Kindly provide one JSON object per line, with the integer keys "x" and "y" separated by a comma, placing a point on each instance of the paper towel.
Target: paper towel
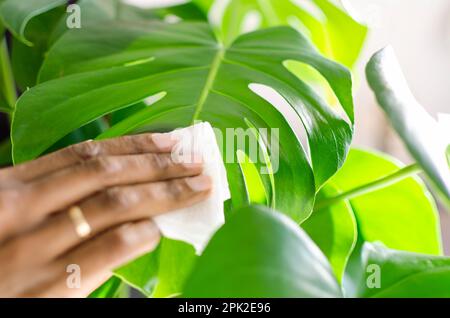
{"x": 196, "y": 224}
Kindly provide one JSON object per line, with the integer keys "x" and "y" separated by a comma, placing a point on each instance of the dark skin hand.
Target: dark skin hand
{"x": 119, "y": 185}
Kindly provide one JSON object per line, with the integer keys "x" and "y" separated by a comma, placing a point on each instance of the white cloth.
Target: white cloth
{"x": 197, "y": 224}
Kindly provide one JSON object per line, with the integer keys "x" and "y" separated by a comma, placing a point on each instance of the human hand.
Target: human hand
{"x": 91, "y": 205}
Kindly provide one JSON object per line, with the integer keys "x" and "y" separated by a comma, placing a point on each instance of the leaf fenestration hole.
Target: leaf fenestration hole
{"x": 139, "y": 61}
{"x": 251, "y": 22}
{"x": 319, "y": 84}
{"x": 279, "y": 102}
{"x": 154, "y": 98}
{"x": 311, "y": 8}
{"x": 217, "y": 11}
{"x": 171, "y": 18}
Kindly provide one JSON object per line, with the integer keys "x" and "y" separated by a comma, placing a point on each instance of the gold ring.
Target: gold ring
{"x": 82, "y": 227}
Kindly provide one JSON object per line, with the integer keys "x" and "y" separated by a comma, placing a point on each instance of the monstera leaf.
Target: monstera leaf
{"x": 327, "y": 25}
{"x": 420, "y": 132}
{"x": 285, "y": 263}
{"x": 94, "y": 71}
{"x": 38, "y": 24}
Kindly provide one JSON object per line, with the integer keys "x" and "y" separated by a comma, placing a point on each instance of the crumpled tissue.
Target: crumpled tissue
{"x": 197, "y": 224}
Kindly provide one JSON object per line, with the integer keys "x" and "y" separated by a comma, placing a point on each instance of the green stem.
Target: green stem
{"x": 209, "y": 83}
{"x": 371, "y": 186}
{"x": 9, "y": 87}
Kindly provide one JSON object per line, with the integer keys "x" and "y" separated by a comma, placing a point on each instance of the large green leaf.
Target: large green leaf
{"x": 327, "y": 30}
{"x": 402, "y": 274}
{"x": 49, "y": 21}
{"x": 45, "y": 28}
{"x": 403, "y": 216}
{"x": 419, "y": 131}
{"x": 261, "y": 253}
{"x": 105, "y": 68}
{"x": 16, "y": 14}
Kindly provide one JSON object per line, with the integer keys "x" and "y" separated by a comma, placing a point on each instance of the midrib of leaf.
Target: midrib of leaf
{"x": 209, "y": 82}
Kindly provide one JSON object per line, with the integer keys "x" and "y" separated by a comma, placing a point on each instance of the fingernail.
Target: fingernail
{"x": 200, "y": 183}
{"x": 164, "y": 141}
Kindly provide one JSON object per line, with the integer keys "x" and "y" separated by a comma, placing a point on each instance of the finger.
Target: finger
{"x": 63, "y": 188}
{"x": 126, "y": 145}
{"x": 111, "y": 208}
{"x": 97, "y": 258}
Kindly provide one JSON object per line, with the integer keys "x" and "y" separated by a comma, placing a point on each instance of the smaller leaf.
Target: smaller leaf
{"x": 419, "y": 131}
{"x": 26, "y": 61}
{"x": 261, "y": 253}
{"x": 402, "y": 274}
{"x": 16, "y": 14}
{"x": 338, "y": 25}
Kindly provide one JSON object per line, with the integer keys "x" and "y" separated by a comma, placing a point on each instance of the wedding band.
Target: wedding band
{"x": 82, "y": 227}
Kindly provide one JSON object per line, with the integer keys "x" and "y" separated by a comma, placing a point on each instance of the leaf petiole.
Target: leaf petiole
{"x": 373, "y": 186}
{"x": 7, "y": 79}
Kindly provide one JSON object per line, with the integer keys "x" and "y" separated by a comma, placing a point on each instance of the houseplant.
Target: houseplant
{"x": 318, "y": 226}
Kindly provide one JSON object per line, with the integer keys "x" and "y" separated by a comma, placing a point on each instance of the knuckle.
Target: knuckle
{"x": 18, "y": 252}
{"x": 160, "y": 162}
{"x": 121, "y": 197}
{"x": 10, "y": 201}
{"x": 104, "y": 165}
{"x": 176, "y": 189}
{"x": 120, "y": 238}
{"x": 134, "y": 143}
{"x": 8, "y": 211}
{"x": 85, "y": 150}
